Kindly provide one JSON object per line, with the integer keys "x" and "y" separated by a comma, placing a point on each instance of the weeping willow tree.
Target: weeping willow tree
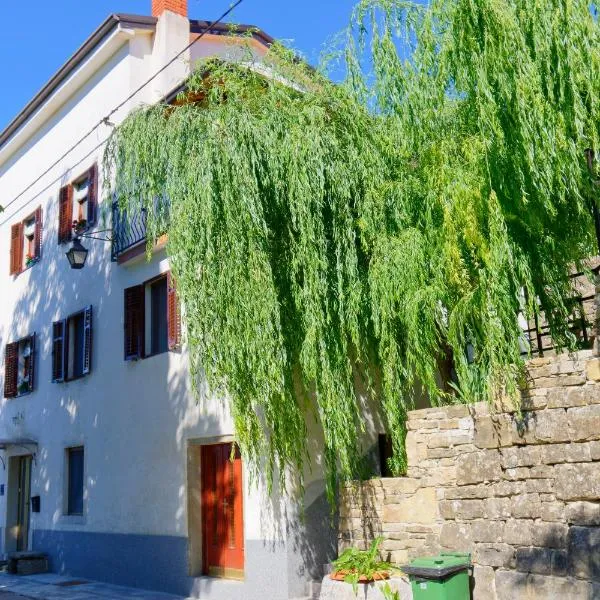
{"x": 320, "y": 233}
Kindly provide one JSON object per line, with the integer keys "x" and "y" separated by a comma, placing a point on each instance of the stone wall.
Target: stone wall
{"x": 520, "y": 492}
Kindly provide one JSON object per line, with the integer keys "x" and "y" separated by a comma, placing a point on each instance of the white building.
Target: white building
{"x": 108, "y": 462}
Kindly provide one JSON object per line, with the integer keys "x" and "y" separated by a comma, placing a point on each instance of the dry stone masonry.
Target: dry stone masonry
{"x": 521, "y": 492}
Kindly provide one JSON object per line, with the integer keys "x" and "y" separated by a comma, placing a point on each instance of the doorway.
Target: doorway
{"x": 19, "y": 503}
{"x": 222, "y": 511}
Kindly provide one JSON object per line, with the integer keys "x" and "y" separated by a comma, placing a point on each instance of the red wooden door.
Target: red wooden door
{"x": 222, "y": 512}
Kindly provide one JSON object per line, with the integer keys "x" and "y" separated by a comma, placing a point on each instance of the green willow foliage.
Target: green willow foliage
{"x": 326, "y": 239}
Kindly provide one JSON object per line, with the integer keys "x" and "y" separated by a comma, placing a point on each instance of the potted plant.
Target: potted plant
{"x": 79, "y": 225}
{"x": 361, "y": 566}
{"x": 30, "y": 259}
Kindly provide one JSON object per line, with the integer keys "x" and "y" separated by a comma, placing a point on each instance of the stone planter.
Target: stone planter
{"x": 339, "y": 590}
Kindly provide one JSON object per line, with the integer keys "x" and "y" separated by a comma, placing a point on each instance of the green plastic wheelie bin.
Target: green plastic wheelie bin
{"x": 442, "y": 577}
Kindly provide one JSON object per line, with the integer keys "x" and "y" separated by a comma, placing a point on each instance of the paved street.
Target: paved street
{"x": 49, "y": 586}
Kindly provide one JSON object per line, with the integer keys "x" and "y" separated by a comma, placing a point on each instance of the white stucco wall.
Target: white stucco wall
{"x": 134, "y": 419}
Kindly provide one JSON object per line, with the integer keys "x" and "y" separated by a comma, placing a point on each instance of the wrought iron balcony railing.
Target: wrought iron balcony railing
{"x": 128, "y": 230}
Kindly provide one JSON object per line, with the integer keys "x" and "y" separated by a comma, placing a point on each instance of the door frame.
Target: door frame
{"x": 194, "y": 502}
{"x": 18, "y": 503}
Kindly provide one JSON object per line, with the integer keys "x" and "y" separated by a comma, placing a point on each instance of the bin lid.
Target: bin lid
{"x": 438, "y": 567}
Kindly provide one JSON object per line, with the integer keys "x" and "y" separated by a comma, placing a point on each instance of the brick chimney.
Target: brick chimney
{"x": 177, "y": 6}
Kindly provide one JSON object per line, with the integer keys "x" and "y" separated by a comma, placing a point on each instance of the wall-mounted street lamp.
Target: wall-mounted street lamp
{"x": 77, "y": 253}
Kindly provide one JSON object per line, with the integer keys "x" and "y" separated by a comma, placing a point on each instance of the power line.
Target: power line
{"x": 106, "y": 119}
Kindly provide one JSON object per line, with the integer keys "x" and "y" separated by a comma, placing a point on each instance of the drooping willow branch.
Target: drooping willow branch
{"x": 334, "y": 241}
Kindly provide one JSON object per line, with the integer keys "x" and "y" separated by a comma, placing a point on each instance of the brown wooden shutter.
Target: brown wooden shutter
{"x": 32, "y": 362}
{"x": 134, "y": 309}
{"x": 65, "y": 214}
{"x": 58, "y": 351}
{"x": 11, "y": 368}
{"x": 37, "y": 239}
{"x": 173, "y": 314}
{"x": 92, "y": 202}
{"x": 16, "y": 249}
{"x": 87, "y": 340}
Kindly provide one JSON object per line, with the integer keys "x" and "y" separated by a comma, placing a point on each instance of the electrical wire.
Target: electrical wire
{"x": 106, "y": 120}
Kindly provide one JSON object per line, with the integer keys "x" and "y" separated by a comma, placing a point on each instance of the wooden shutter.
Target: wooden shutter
{"x": 11, "y": 367}
{"x": 65, "y": 214}
{"x": 134, "y": 309}
{"x": 16, "y": 249}
{"x": 37, "y": 239}
{"x": 173, "y": 314}
{"x": 87, "y": 340}
{"x": 92, "y": 202}
{"x": 31, "y": 362}
{"x": 59, "y": 350}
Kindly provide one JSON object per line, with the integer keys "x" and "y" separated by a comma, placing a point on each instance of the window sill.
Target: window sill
{"x": 73, "y": 519}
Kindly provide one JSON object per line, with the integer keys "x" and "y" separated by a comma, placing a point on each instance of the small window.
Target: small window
{"x": 77, "y": 205}
{"x": 19, "y": 367}
{"x": 26, "y": 243}
{"x": 72, "y": 346}
{"x": 75, "y": 481}
{"x": 152, "y": 318}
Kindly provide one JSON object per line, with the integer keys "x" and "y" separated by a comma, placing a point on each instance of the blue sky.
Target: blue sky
{"x": 38, "y": 36}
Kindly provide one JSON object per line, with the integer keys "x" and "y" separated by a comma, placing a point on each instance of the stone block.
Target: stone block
{"x": 592, "y": 369}
{"x": 466, "y": 492}
{"x": 534, "y": 399}
{"x": 498, "y": 508}
{"x": 494, "y": 431}
{"x": 560, "y": 381}
{"x": 552, "y": 511}
{"x": 508, "y": 488}
{"x": 550, "y": 535}
{"x": 421, "y": 507}
{"x": 477, "y": 467}
{"x": 564, "y": 453}
{"x": 551, "y": 426}
{"x": 462, "y": 509}
{"x": 449, "y": 439}
{"x": 456, "y": 536}
{"x": 570, "y": 397}
{"x": 584, "y": 552}
{"x": 485, "y": 530}
{"x": 526, "y": 506}
{"x": 579, "y": 481}
{"x": 544, "y": 587}
{"x": 494, "y": 555}
{"x": 534, "y": 560}
{"x": 511, "y": 585}
{"x": 584, "y": 423}
{"x": 583, "y": 513}
{"x": 519, "y": 532}
{"x": 400, "y": 485}
{"x": 484, "y": 586}
{"x": 543, "y": 486}
{"x": 520, "y": 456}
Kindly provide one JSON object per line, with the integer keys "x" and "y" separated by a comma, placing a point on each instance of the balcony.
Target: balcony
{"x": 129, "y": 231}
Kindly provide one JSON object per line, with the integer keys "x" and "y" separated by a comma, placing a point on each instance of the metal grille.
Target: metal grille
{"x": 128, "y": 230}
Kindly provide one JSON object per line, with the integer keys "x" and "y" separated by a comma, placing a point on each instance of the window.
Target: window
{"x": 384, "y": 444}
{"x": 152, "y": 318}
{"x": 26, "y": 243}
{"x": 77, "y": 205}
{"x": 19, "y": 367}
{"x": 75, "y": 481}
{"x": 72, "y": 346}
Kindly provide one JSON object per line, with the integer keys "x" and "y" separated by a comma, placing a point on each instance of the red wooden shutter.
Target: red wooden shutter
{"x": 16, "y": 249}
{"x": 65, "y": 214}
{"x": 134, "y": 309}
{"x": 58, "y": 351}
{"x": 11, "y": 367}
{"x": 92, "y": 202}
{"x": 173, "y": 314}
{"x": 37, "y": 238}
{"x": 87, "y": 340}
{"x": 31, "y": 361}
